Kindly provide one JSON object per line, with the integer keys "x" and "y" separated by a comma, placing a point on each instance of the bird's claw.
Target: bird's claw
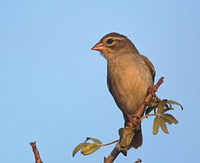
{"x": 152, "y": 91}
{"x": 133, "y": 121}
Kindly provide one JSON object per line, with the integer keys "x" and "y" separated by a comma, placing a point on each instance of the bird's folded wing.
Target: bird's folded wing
{"x": 151, "y": 67}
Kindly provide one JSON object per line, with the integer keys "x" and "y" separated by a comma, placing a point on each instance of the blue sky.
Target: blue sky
{"x": 53, "y": 87}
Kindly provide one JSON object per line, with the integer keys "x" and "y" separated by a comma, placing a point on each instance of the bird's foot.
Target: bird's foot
{"x": 152, "y": 91}
{"x": 133, "y": 121}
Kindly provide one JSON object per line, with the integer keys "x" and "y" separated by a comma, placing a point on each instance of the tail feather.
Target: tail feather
{"x": 137, "y": 140}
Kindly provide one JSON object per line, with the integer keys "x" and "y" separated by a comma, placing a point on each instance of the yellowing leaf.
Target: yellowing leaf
{"x": 169, "y": 117}
{"x": 97, "y": 141}
{"x": 129, "y": 137}
{"x": 89, "y": 149}
{"x": 167, "y": 120}
{"x": 161, "y": 106}
{"x": 154, "y": 103}
{"x": 156, "y": 125}
{"x": 78, "y": 148}
{"x": 175, "y": 103}
{"x": 163, "y": 125}
{"x": 122, "y": 142}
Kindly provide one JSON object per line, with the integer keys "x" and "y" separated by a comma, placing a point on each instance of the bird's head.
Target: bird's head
{"x": 113, "y": 44}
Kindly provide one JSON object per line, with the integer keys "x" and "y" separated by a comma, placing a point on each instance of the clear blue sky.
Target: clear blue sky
{"x": 53, "y": 87}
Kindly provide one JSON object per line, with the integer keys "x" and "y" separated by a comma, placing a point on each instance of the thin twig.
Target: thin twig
{"x": 109, "y": 143}
{"x": 36, "y": 152}
{"x": 115, "y": 152}
{"x": 147, "y": 115}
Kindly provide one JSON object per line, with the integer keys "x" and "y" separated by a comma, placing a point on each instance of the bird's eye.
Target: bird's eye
{"x": 109, "y": 41}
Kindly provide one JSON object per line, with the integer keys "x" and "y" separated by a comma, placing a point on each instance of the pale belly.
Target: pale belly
{"x": 128, "y": 85}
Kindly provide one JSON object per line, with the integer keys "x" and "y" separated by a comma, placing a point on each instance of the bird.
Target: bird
{"x": 129, "y": 76}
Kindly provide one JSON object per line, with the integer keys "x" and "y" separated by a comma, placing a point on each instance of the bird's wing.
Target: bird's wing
{"x": 151, "y": 67}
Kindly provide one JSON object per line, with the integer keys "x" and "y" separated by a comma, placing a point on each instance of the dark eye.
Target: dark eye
{"x": 109, "y": 41}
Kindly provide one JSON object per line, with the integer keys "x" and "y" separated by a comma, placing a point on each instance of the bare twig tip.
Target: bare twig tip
{"x": 138, "y": 160}
{"x": 36, "y": 152}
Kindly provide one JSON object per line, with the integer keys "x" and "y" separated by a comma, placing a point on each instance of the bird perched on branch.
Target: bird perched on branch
{"x": 129, "y": 75}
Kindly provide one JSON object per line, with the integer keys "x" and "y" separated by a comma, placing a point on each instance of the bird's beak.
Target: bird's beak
{"x": 99, "y": 46}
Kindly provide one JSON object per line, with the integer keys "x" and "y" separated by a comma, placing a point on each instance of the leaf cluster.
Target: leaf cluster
{"x": 87, "y": 148}
{"x": 162, "y": 117}
{"x": 160, "y": 107}
{"x": 125, "y": 141}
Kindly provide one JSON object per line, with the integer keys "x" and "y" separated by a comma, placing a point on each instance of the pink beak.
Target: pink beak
{"x": 99, "y": 46}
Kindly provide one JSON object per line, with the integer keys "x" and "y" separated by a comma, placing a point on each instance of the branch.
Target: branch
{"x": 148, "y": 99}
{"x": 115, "y": 152}
{"x": 36, "y": 152}
{"x": 113, "y": 155}
{"x": 146, "y": 116}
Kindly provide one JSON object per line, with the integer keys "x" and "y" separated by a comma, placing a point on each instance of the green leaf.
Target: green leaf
{"x": 121, "y": 132}
{"x": 153, "y": 103}
{"x": 167, "y": 120}
{"x": 78, "y": 148}
{"x": 165, "y": 110}
{"x": 175, "y": 103}
{"x": 89, "y": 149}
{"x": 161, "y": 106}
{"x": 156, "y": 125}
{"x": 129, "y": 137}
{"x": 97, "y": 141}
{"x": 122, "y": 142}
{"x": 163, "y": 125}
{"x": 170, "y": 118}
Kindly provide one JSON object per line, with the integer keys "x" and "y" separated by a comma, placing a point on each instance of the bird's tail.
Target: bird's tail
{"x": 137, "y": 139}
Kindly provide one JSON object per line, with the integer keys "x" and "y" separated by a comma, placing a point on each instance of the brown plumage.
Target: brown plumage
{"x": 129, "y": 75}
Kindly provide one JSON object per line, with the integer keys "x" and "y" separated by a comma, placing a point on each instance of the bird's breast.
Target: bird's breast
{"x": 128, "y": 81}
